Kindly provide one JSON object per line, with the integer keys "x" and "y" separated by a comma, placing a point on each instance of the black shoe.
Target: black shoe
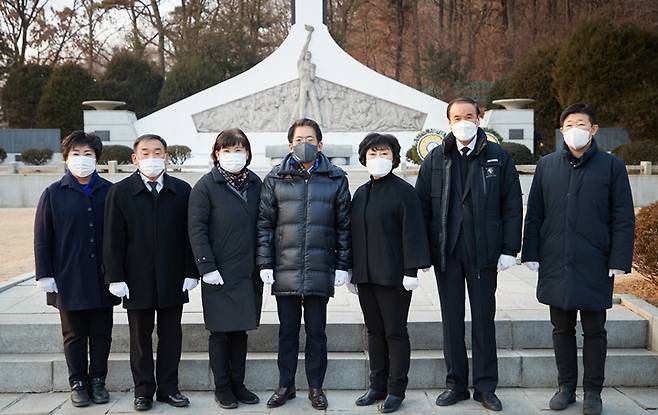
{"x": 80, "y": 394}
{"x": 451, "y": 397}
{"x": 592, "y": 404}
{"x": 280, "y": 396}
{"x": 489, "y": 400}
{"x": 391, "y": 404}
{"x": 99, "y": 393}
{"x": 318, "y": 398}
{"x": 562, "y": 399}
{"x": 370, "y": 397}
{"x": 225, "y": 397}
{"x": 177, "y": 399}
{"x": 142, "y": 403}
{"x": 244, "y": 395}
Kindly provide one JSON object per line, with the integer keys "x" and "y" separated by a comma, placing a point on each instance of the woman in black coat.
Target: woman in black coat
{"x": 223, "y": 211}
{"x": 389, "y": 245}
{"x": 68, "y": 235}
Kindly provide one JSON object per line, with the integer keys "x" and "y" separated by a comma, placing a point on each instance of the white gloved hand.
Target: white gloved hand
{"x": 189, "y": 284}
{"x": 506, "y": 262}
{"x": 267, "y": 275}
{"x": 410, "y": 283}
{"x": 532, "y": 266}
{"x": 47, "y": 284}
{"x": 427, "y": 269}
{"x": 352, "y": 288}
{"x": 119, "y": 289}
{"x": 213, "y": 278}
{"x": 612, "y": 272}
{"x": 341, "y": 277}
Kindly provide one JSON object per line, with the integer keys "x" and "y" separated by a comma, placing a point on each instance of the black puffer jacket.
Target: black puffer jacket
{"x": 304, "y": 227}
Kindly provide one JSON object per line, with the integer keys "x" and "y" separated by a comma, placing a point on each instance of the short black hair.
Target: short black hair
{"x": 465, "y": 100}
{"x": 230, "y": 138}
{"x": 579, "y": 108}
{"x": 80, "y": 138}
{"x": 380, "y": 142}
{"x": 148, "y": 137}
{"x": 304, "y": 122}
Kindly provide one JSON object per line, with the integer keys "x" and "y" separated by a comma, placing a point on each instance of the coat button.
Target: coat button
{"x": 91, "y": 240}
{"x": 91, "y": 224}
{"x": 93, "y": 255}
{"x": 88, "y": 209}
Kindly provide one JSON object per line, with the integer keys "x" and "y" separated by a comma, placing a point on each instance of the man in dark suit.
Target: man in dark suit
{"x": 471, "y": 198}
{"x": 148, "y": 261}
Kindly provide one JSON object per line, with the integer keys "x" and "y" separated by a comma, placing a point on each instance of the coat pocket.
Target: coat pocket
{"x": 494, "y": 240}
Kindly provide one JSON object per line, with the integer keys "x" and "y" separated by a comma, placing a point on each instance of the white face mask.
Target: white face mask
{"x": 379, "y": 167}
{"x": 576, "y": 138}
{"x": 232, "y": 162}
{"x": 464, "y": 130}
{"x": 151, "y": 167}
{"x": 81, "y": 166}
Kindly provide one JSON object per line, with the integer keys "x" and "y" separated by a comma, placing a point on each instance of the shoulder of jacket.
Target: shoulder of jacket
{"x": 179, "y": 182}
{"x": 335, "y": 171}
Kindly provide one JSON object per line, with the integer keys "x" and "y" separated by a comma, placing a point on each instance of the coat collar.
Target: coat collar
{"x": 580, "y": 162}
{"x": 137, "y": 184}
{"x": 219, "y": 177}
{"x": 70, "y": 181}
{"x": 450, "y": 142}
{"x": 324, "y": 167}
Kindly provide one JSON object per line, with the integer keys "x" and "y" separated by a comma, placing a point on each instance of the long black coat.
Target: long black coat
{"x": 389, "y": 238}
{"x": 222, "y": 227}
{"x": 146, "y": 243}
{"x": 497, "y": 208}
{"x": 579, "y": 224}
{"x": 304, "y": 228}
{"x": 68, "y": 244}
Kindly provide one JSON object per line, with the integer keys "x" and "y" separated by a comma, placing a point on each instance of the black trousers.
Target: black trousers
{"x": 595, "y": 346}
{"x": 82, "y": 328}
{"x": 170, "y": 335}
{"x": 482, "y": 296}
{"x": 315, "y": 320}
{"x": 228, "y": 355}
{"x": 385, "y": 311}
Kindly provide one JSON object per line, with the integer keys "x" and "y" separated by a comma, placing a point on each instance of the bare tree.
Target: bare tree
{"x": 16, "y": 19}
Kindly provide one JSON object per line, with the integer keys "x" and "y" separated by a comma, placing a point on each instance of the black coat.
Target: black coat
{"x": 222, "y": 228}
{"x": 146, "y": 243}
{"x": 495, "y": 194}
{"x": 68, "y": 244}
{"x": 389, "y": 238}
{"x": 304, "y": 228}
{"x": 579, "y": 224}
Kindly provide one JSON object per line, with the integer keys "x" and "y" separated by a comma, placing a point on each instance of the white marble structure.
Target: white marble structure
{"x": 515, "y": 123}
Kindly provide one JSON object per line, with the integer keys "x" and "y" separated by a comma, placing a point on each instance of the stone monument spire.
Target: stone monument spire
{"x": 311, "y": 12}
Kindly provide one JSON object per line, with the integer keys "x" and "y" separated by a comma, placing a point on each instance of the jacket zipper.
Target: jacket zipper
{"x": 305, "y": 232}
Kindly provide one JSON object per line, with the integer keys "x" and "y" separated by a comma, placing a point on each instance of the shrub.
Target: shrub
{"x": 37, "y": 157}
{"x": 179, "y": 154}
{"x": 21, "y": 94}
{"x": 635, "y": 152}
{"x": 520, "y": 154}
{"x": 413, "y": 157}
{"x": 3, "y": 155}
{"x": 645, "y": 254}
{"x": 120, "y": 154}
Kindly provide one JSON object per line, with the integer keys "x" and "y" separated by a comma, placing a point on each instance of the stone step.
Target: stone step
{"x": 42, "y": 333}
{"x": 346, "y": 370}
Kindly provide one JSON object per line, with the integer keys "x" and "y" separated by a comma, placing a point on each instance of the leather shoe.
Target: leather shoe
{"x": 318, "y": 398}
{"x": 391, "y": 404}
{"x": 177, "y": 399}
{"x": 99, "y": 393}
{"x": 142, "y": 403}
{"x": 451, "y": 397}
{"x": 592, "y": 404}
{"x": 280, "y": 396}
{"x": 244, "y": 395}
{"x": 80, "y": 394}
{"x": 489, "y": 400}
{"x": 225, "y": 397}
{"x": 370, "y": 397}
{"x": 562, "y": 398}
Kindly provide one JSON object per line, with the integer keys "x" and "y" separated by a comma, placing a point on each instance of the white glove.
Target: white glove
{"x": 119, "y": 289}
{"x": 47, "y": 284}
{"x": 410, "y": 283}
{"x": 532, "y": 266}
{"x": 267, "y": 275}
{"x": 611, "y": 273}
{"x": 506, "y": 262}
{"x": 213, "y": 278}
{"x": 352, "y": 288}
{"x": 427, "y": 269}
{"x": 341, "y": 277}
{"x": 189, "y": 284}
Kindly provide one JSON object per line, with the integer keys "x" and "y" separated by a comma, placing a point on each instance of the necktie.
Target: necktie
{"x": 464, "y": 151}
{"x": 154, "y": 188}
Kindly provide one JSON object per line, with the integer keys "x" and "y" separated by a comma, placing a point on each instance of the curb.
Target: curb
{"x": 4, "y": 286}
{"x": 648, "y": 312}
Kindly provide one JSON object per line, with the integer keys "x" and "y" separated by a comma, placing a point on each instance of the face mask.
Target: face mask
{"x": 379, "y": 167}
{"x": 576, "y": 138}
{"x": 305, "y": 152}
{"x": 81, "y": 166}
{"x": 232, "y": 162}
{"x": 464, "y": 131}
{"x": 151, "y": 167}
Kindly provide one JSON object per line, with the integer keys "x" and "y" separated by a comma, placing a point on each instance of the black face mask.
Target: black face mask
{"x": 305, "y": 152}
